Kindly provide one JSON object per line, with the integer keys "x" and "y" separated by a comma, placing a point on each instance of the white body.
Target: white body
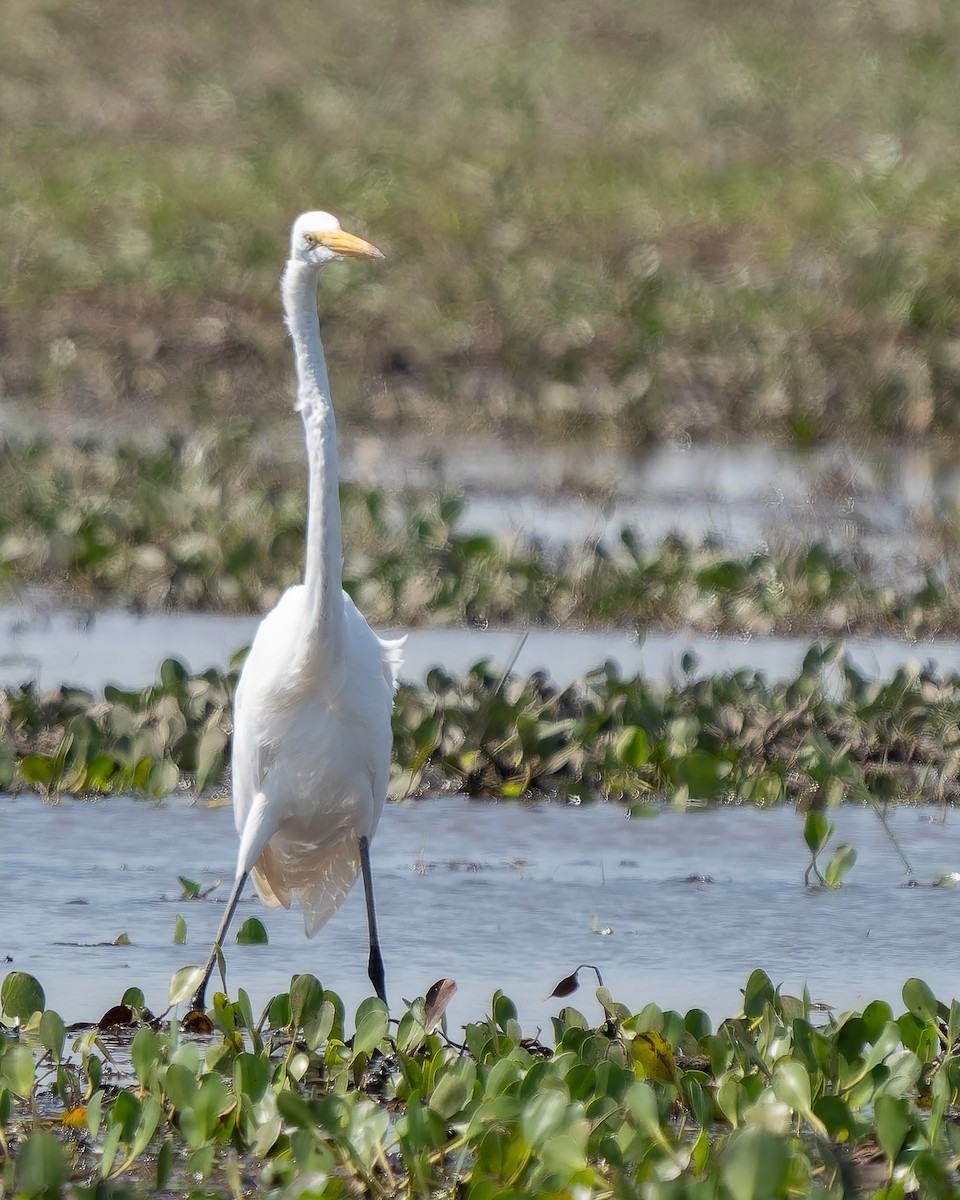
{"x": 311, "y": 759}
{"x": 312, "y": 735}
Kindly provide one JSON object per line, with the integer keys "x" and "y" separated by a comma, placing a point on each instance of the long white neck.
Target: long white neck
{"x": 323, "y": 568}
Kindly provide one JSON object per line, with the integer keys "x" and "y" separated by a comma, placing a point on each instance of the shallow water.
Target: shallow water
{"x": 744, "y": 496}
{"x": 493, "y": 895}
{"x": 48, "y": 647}
{"x": 502, "y": 895}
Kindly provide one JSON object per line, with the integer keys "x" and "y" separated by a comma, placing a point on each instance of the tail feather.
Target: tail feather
{"x": 320, "y": 879}
{"x": 269, "y": 882}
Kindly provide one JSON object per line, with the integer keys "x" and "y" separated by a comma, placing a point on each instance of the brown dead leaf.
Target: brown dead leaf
{"x": 120, "y": 1014}
{"x": 435, "y": 1003}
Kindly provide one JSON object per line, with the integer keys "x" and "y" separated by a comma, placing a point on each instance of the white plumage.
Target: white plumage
{"x": 311, "y": 762}
{"x": 312, "y": 736}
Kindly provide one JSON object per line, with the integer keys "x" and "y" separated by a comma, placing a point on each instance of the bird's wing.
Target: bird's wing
{"x": 263, "y": 677}
{"x": 391, "y": 659}
{"x": 260, "y": 826}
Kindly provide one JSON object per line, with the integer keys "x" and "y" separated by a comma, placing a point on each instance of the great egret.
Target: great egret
{"x": 311, "y": 718}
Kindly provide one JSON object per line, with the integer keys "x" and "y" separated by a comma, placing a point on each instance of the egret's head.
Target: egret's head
{"x": 316, "y": 239}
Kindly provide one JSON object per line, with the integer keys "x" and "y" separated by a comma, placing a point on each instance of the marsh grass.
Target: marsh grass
{"x": 630, "y": 221}
{"x": 780, "y": 1100}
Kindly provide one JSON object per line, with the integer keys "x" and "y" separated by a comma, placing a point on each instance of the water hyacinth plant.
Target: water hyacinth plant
{"x": 827, "y": 735}
{"x": 178, "y": 526}
{"x": 781, "y": 1100}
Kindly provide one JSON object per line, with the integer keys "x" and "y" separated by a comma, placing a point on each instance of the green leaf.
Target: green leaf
{"x": 699, "y": 1099}
{"x": 17, "y": 1068}
{"x": 210, "y": 1101}
{"x": 455, "y": 1089}
{"x": 545, "y": 1115}
{"x": 251, "y": 1074}
{"x": 757, "y": 994}
{"x": 756, "y": 1164}
{"x": 144, "y": 1054}
{"x": 173, "y": 674}
{"x": 53, "y": 1034}
{"x": 252, "y": 933}
{"x": 373, "y": 1021}
{"x": 892, "y": 1116}
{"x": 179, "y": 930}
{"x": 146, "y": 1127}
{"x": 704, "y": 774}
{"x": 210, "y": 757}
{"x": 180, "y": 1084}
{"x": 42, "y": 1166}
{"x": 162, "y": 778}
{"x": 920, "y": 1000}
{"x": 21, "y": 996}
{"x": 294, "y": 1109}
{"x": 100, "y": 769}
{"x": 504, "y": 1010}
{"x": 565, "y": 1152}
{"x": 125, "y": 1112}
{"x": 903, "y": 1071}
{"x": 816, "y": 831}
{"x": 94, "y": 1109}
{"x": 37, "y": 769}
{"x": 877, "y": 1016}
{"x": 842, "y": 859}
{"x": 422, "y": 1129}
{"x": 641, "y": 1101}
{"x": 164, "y": 1166}
{"x": 791, "y": 1084}
{"x": 109, "y": 1147}
{"x": 632, "y": 748}
{"x": 279, "y": 1014}
{"x": 836, "y": 1117}
{"x": 306, "y": 997}
{"x": 319, "y": 1027}
{"x": 184, "y": 983}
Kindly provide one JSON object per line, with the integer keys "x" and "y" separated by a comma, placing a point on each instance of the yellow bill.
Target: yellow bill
{"x": 347, "y": 245}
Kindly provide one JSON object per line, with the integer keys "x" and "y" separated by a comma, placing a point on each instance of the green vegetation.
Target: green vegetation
{"x": 779, "y": 1101}
{"x": 627, "y": 222}
{"x": 826, "y": 736}
{"x": 631, "y": 219}
{"x": 215, "y": 520}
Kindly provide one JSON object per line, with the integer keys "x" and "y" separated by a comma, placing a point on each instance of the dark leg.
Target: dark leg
{"x": 198, "y": 996}
{"x": 375, "y": 962}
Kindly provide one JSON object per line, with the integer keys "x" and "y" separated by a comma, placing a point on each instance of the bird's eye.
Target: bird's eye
{"x": 311, "y": 239}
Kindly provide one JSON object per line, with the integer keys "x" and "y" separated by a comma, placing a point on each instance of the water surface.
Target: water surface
{"x": 47, "y": 646}
{"x": 677, "y": 909}
{"x": 891, "y": 503}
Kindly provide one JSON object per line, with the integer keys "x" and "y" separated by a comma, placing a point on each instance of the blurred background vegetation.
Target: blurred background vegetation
{"x": 627, "y": 220}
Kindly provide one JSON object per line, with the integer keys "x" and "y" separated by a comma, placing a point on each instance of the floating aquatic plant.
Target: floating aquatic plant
{"x": 827, "y": 735}
{"x": 784, "y": 1098}
{"x": 181, "y": 527}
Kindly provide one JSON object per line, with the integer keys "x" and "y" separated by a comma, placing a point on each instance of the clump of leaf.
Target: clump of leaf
{"x": 180, "y": 526}
{"x": 825, "y": 736}
{"x": 778, "y": 1100}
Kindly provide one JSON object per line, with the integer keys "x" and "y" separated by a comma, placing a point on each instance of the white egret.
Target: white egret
{"x": 311, "y": 719}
